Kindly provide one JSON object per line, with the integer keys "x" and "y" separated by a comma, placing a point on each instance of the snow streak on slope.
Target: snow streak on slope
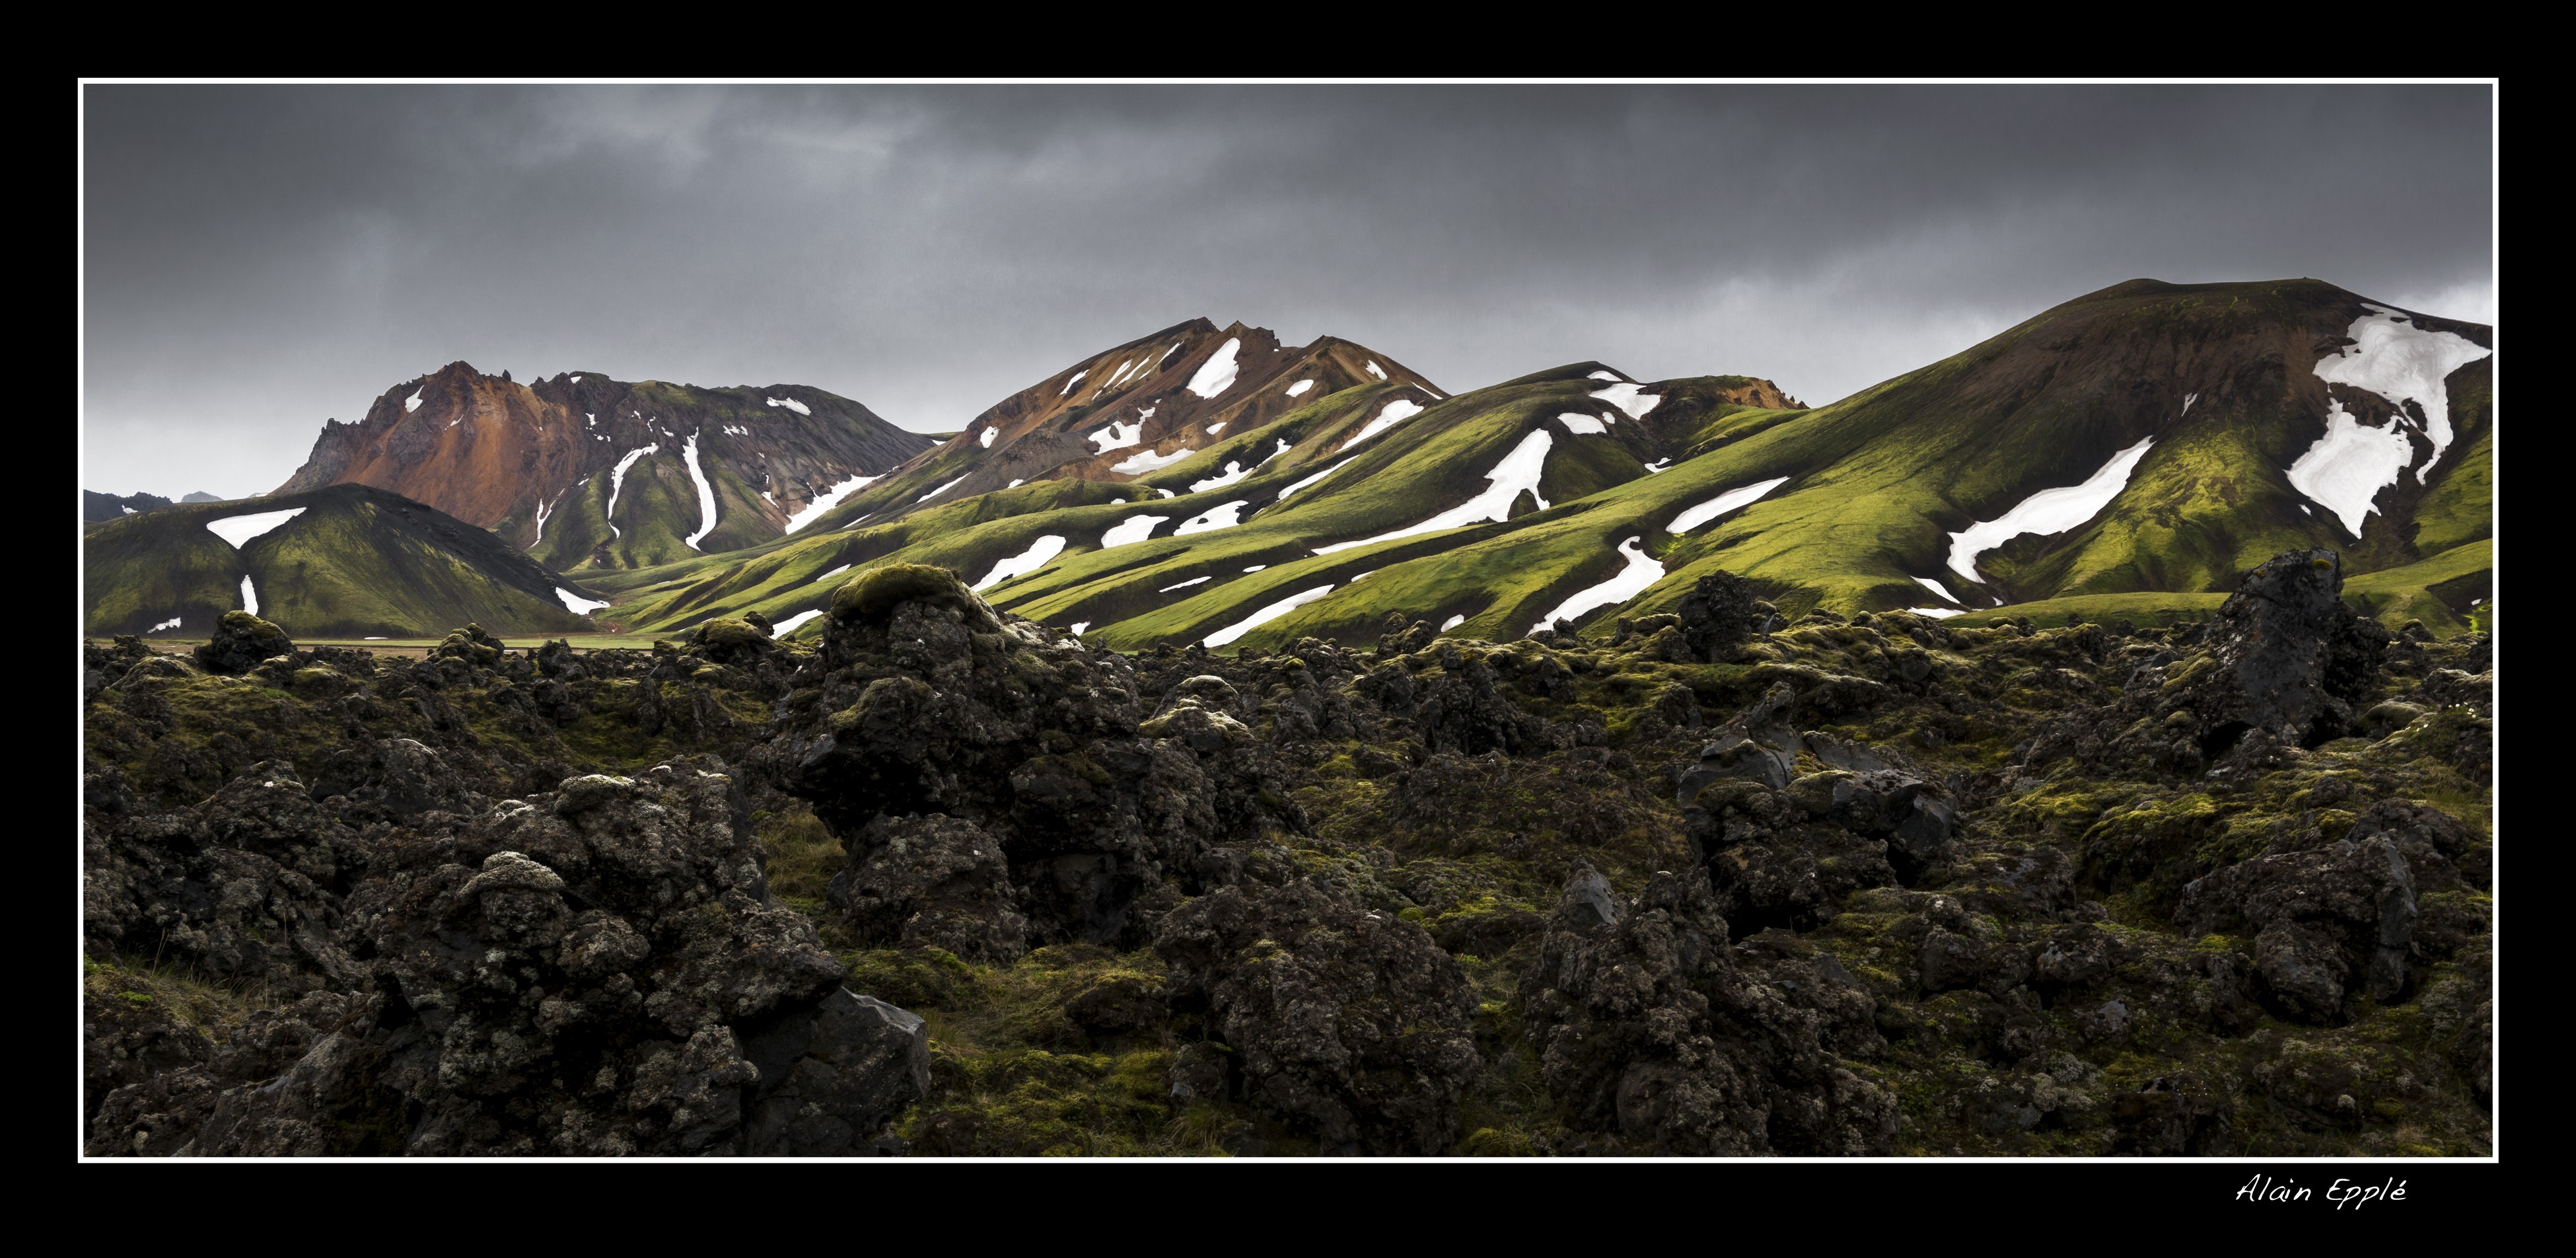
{"x": 1283, "y": 494}
{"x": 1077, "y": 379}
{"x": 1582, "y": 425}
{"x": 790, "y": 404}
{"x": 1395, "y": 412}
{"x": 1023, "y": 563}
{"x": 829, "y": 575}
{"x": 1453, "y": 622}
{"x": 1721, "y": 504}
{"x": 1631, "y": 398}
{"x": 831, "y": 498}
{"x": 2345, "y": 470}
{"x": 2048, "y": 511}
{"x": 171, "y": 623}
{"x": 1643, "y": 570}
{"x": 1300, "y": 387}
{"x": 1118, "y": 436}
{"x": 2403, "y": 363}
{"x": 1937, "y": 588}
{"x": 789, "y": 625}
{"x": 1147, "y": 461}
{"x": 990, "y": 432}
{"x": 1134, "y": 528}
{"x": 706, "y": 493}
{"x": 1267, "y": 614}
{"x": 1937, "y": 613}
{"x": 1516, "y": 474}
{"x": 617, "y": 482}
{"x": 1216, "y": 375}
{"x": 239, "y": 529}
{"x": 576, "y": 604}
{"x": 250, "y": 597}
{"x": 1219, "y": 517}
{"x": 543, "y": 509}
{"x": 941, "y": 490}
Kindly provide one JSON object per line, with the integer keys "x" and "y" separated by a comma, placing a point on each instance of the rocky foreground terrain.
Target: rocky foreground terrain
{"x": 950, "y": 883}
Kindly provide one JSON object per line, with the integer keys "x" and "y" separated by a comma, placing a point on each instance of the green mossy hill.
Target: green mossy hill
{"x": 1866, "y": 494}
{"x": 354, "y": 562}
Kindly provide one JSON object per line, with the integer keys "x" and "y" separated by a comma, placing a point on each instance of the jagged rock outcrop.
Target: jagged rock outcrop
{"x": 1345, "y": 1021}
{"x": 241, "y": 642}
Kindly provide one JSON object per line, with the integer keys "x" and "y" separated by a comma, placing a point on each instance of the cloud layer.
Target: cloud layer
{"x": 260, "y": 258}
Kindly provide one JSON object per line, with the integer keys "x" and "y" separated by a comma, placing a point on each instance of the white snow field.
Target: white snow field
{"x": 831, "y": 498}
{"x": 1643, "y": 570}
{"x": 1938, "y": 588}
{"x": 2403, "y": 363}
{"x": 239, "y": 529}
{"x": 1300, "y": 387}
{"x": 2048, "y": 511}
{"x": 1375, "y": 370}
{"x": 412, "y": 403}
{"x": 576, "y": 604}
{"x": 1216, "y": 375}
{"x": 1077, "y": 379}
{"x": 617, "y": 483}
{"x": 1234, "y": 471}
{"x": 706, "y": 493}
{"x": 1134, "y": 528}
{"x": 1283, "y": 494}
{"x": 250, "y": 597}
{"x": 1388, "y": 416}
{"x": 1144, "y": 461}
{"x": 1023, "y": 563}
{"x": 1217, "y": 517}
{"x": 789, "y": 625}
{"x": 790, "y": 403}
{"x": 1267, "y": 614}
{"x": 990, "y": 432}
{"x": 1721, "y": 504}
{"x": 1937, "y": 613}
{"x": 1519, "y": 471}
{"x": 1631, "y": 398}
{"x": 1184, "y": 585}
{"x": 1582, "y": 425}
{"x": 1118, "y": 436}
{"x": 2345, "y": 470}
{"x": 1453, "y": 622}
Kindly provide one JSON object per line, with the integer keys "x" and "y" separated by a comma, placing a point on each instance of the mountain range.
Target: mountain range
{"x": 2125, "y": 455}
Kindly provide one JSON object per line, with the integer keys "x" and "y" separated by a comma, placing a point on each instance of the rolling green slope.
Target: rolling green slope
{"x": 354, "y": 562}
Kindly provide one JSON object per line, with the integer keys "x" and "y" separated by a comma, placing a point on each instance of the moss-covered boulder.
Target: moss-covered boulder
{"x": 240, "y": 643}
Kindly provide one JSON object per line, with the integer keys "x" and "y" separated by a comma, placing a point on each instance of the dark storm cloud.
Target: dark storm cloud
{"x": 262, "y": 257}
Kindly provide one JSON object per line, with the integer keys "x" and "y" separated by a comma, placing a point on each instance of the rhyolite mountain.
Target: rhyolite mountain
{"x": 582, "y": 471}
{"x": 2128, "y": 454}
{"x": 347, "y": 561}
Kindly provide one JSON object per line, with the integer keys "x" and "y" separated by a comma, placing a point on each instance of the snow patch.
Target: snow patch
{"x": 2403, "y": 363}
{"x": 790, "y": 403}
{"x": 1147, "y": 461}
{"x": 1518, "y": 473}
{"x": 1023, "y": 563}
{"x": 1395, "y": 412}
{"x": 1375, "y": 370}
{"x": 576, "y": 604}
{"x": 1117, "y": 436}
{"x": 173, "y": 623}
{"x": 1283, "y": 494}
{"x": 1079, "y": 626}
{"x": 1077, "y": 379}
{"x": 129, "y": 510}
{"x": 1015, "y": 484}
{"x": 1937, "y": 588}
{"x": 1257, "y": 619}
{"x": 1217, "y": 517}
{"x": 1218, "y": 427}
{"x": 576, "y": 380}
{"x": 1256, "y": 567}
{"x": 1134, "y": 528}
{"x": 1234, "y": 471}
{"x": 239, "y": 529}
{"x": 990, "y": 432}
{"x": 706, "y": 493}
{"x": 1185, "y": 584}
{"x": 1453, "y": 622}
{"x": 1582, "y": 425}
{"x": 1631, "y": 398}
{"x": 250, "y": 597}
{"x": 412, "y": 403}
{"x": 1659, "y": 465}
{"x": 1937, "y": 613}
{"x": 1300, "y": 387}
{"x": 790, "y": 625}
{"x": 829, "y": 575}
{"x": 1611, "y": 376}
{"x": 942, "y": 489}
{"x": 1216, "y": 375}
{"x": 2345, "y": 470}
{"x": 2187, "y": 400}
{"x": 2048, "y": 511}
{"x": 1643, "y": 570}
{"x": 617, "y": 482}
{"x": 543, "y": 508}
{"x": 1721, "y": 504}
{"x": 831, "y": 498}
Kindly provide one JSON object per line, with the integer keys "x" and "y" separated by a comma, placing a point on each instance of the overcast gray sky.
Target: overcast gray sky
{"x": 261, "y": 258}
